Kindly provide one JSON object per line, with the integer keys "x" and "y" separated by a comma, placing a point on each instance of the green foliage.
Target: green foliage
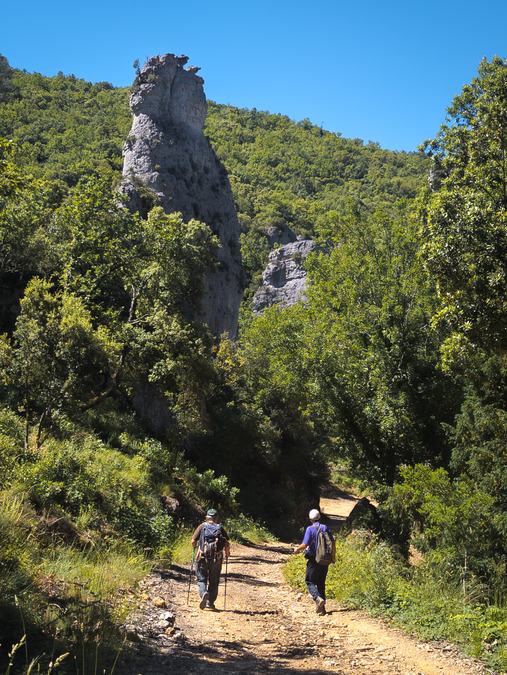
{"x": 467, "y": 212}
{"x": 97, "y": 487}
{"x": 465, "y": 221}
{"x": 65, "y": 127}
{"x": 7, "y": 90}
{"x": 26, "y": 204}
{"x": 98, "y": 573}
{"x": 370, "y": 305}
{"x": 86, "y": 588}
{"x": 246, "y": 530}
{"x": 54, "y": 356}
{"x": 16, "y": 525}
{"x": 181, "y": 550}
{"x": 454, "y": 523}
{"x": 254, "y": 253}
{"x": 358, "y": 362}
{"x": 480, "y": 442}
{"x": 11, "y": 444}
{"x": 291, "y": 173}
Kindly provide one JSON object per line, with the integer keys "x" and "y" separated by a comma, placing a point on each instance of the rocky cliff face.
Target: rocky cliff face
{"x": 169, "y": 161}
{"x": 284, "y": 279}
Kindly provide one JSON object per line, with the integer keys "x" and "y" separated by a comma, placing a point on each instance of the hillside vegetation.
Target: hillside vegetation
{"x": 394, "y": 368}
{"x": 282, "y": 172}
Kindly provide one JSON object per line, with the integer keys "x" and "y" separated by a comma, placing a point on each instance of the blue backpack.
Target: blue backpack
{"x": 211, "y": 541}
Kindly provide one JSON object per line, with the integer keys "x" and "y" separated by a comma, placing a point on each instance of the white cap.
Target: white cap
{"x": 314, "y": 515}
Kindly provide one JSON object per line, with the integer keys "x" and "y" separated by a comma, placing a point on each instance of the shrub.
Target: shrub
{"x": 97, "y": 486}
{"x": 242, "y": 528}
{"x": 11, "y": 444}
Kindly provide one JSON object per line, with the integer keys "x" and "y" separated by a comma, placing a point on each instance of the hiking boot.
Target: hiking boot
{"x": 204, "y": 601}
{"x": 320, "y": 606}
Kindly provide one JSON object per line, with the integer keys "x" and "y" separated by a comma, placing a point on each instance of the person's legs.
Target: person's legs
{"x": 310, "y": 578}
{"x": 202, "y": 576}
{"x": 215, "y": 568}
{"x": 321, "y": 580}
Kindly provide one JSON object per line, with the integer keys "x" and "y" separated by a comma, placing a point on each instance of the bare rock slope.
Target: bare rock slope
{"x": 169, "y": 161}
{"x": 284, "y": 279}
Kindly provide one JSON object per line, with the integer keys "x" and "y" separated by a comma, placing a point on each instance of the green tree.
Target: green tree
{"x": 55, "y": 358}
{"x": 374, "y": 352}
{"x": 7, "y": 89}
{"x": 466, "y": 252}
{"x": 142, "y": 279}
{"x": 455, "y": 523}
{"x": 26, "y": 206}
{"x": 466, "y": 220}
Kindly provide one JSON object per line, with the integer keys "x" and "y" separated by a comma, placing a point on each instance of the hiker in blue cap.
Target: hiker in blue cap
{"x": 213, "y": 543}
{"x": 319, "y": 547}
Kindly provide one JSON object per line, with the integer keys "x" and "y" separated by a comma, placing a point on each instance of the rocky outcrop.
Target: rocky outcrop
{"x": 169, "y": 161}
{"x": 284, "y": 279}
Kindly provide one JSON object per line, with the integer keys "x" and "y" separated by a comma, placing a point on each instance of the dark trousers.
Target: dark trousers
{"x": 208, "y": 577}
{"x": 316, "y": 578}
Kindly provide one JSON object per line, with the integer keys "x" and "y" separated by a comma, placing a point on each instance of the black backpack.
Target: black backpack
{"x": 211, "y": 541}
{"x": 324, "y": 552}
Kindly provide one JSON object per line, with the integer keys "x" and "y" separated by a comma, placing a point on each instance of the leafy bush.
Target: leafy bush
{"x": 244, "y": 529}
{"x": 97, "y": 486}
{"x": 454, "y": 522}
{"x": 11, "y": 444}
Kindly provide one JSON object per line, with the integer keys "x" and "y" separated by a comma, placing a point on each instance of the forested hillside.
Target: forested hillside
{"x": 391, "y": 374}
{"x": 282, "y": 173}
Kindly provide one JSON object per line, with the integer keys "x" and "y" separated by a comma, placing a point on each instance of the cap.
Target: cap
{"x": 314, "y": 515}
{"x": 211, "y": 513}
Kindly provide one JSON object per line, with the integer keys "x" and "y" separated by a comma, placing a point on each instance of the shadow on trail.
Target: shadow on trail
{"x": 333, "y": 492}
{"x": 175, "y": 572}
{"x": 273, "y": 549}
{"x": 249, "y": 579}
{"x": 221, "y": 656}
{"x": 251, "y": 612}
{"x": 252, "y": 561}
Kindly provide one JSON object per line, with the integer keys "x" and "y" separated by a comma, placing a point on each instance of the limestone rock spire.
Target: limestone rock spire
{"x": 169, "y": 161}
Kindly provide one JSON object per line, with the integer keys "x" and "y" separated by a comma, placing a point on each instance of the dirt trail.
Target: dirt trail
{"x": 268, "y": 628}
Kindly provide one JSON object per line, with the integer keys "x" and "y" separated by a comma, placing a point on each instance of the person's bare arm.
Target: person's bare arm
{"x": 299, "y": 548}
{"x": 195, "y": 536}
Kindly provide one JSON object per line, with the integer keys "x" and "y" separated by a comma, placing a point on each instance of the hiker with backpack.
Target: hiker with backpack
{"x": 212, "y": 542}
{"x": 320, "y": 551}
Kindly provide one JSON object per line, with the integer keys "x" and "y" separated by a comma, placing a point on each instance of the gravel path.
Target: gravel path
{"x": 268, "y": 628}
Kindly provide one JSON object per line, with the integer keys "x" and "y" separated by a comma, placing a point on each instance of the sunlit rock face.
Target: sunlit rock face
{"x": 169, "y": 161}
{"x": 284, "y": 279}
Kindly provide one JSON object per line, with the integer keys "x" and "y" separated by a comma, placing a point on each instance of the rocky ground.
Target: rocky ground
{"x": 266, "y": 627}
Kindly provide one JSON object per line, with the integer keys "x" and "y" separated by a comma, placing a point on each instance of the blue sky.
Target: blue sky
{"x": 378, "y": 70}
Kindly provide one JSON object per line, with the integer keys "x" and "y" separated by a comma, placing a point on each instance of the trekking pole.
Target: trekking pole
{"x": 190, "y": 575}
{"x": 225, "y": 584}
